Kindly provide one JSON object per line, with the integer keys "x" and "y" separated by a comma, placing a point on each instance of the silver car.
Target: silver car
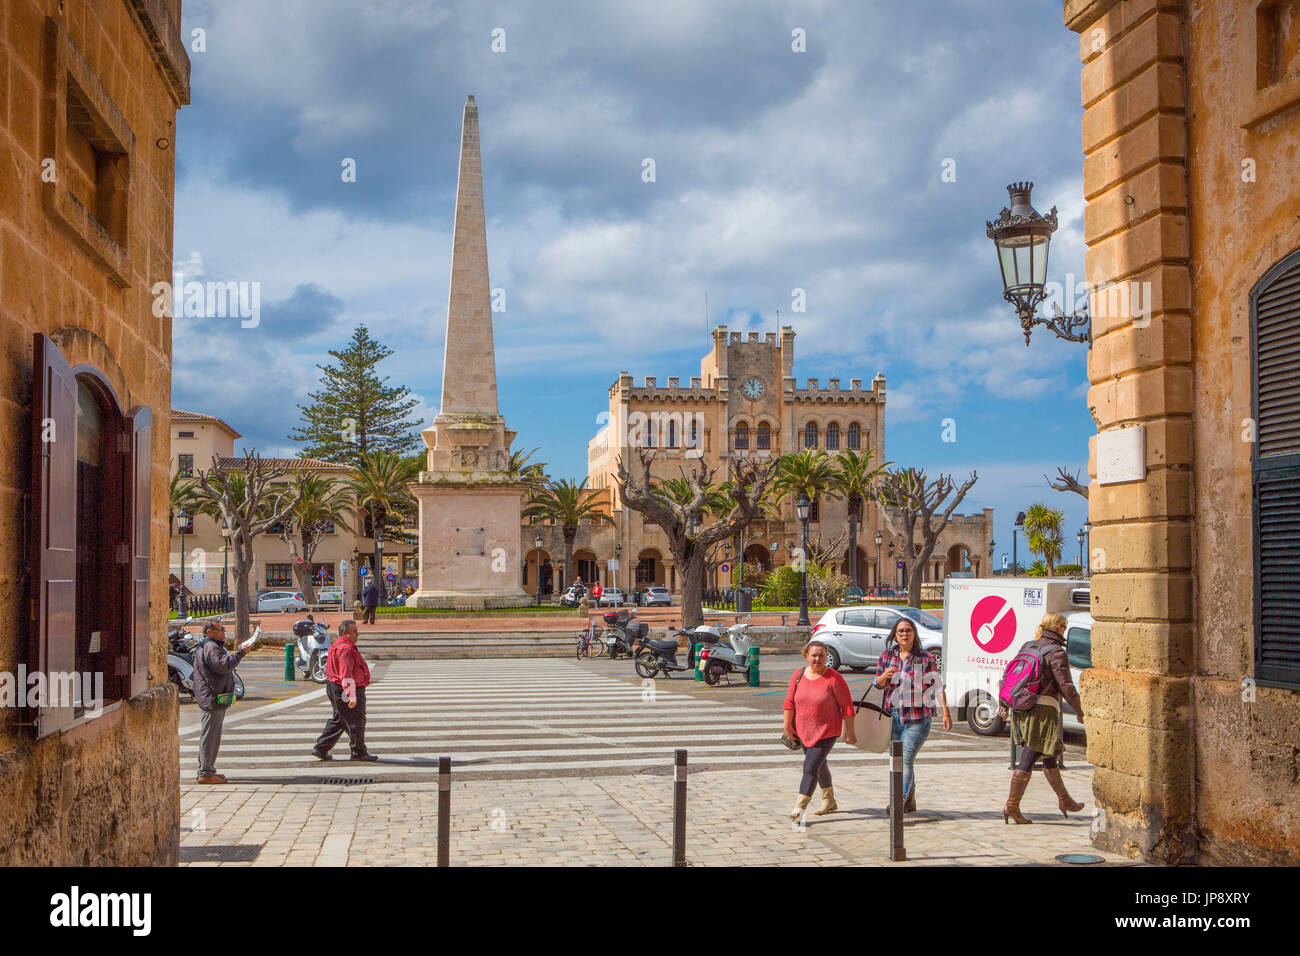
{"x": 656, "y": 596}
{"x": 855, "y": 636}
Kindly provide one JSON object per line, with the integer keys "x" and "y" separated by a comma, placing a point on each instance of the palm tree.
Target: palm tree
{"x": 854, "y": 480}
{"x": 532, "y": 474}
{"x": 322, "y": 502}
{"x": 803, "y": 474}
{"x": 184, "y": 495}
{"x": 379, "y": 483}
{"x": 1043, "y": 532}
{"x": 568, "y": 504}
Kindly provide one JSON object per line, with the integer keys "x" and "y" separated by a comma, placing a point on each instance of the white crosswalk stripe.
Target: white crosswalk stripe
{"x": 519, "y": 718}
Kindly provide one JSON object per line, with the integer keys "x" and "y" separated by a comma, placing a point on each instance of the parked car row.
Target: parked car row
{"x": 653, "y": 596}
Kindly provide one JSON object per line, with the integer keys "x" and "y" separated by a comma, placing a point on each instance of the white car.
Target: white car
{"x": 612, "y": 597}
{"x": 283, "y": 601}
{"x": 855, "y": 636}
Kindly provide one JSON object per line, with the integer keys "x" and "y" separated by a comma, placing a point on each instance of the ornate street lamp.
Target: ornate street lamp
{"x": 537, "y": 543}
{"x": 379, "y": 571}
{"x": 1081, "y": 536}
{"x": 225, "y": 563}
{"x": 184, "y": 526}
{"x": 992, "y": 545}
{"x": 1022, "y": 236}
{"x": 802, "y": 507}
{"x": 879, "y": 539}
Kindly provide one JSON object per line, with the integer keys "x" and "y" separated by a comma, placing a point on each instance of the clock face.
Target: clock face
{"x": 753, "y": 389}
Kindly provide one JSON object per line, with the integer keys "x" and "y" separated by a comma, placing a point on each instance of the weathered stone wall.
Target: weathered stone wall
{"x": 1188, "y": 766}
{"x": 107, "y": 791}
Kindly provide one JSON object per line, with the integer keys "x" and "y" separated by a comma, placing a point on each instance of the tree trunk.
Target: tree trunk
{"x": 853, "y": 546}
{"x": 570, "y": 533}
{"x": 915, "y": 577}
{"x": 302, "y": 572}
{"x": 692, "y": 585}
{"x": 241, "y": 567}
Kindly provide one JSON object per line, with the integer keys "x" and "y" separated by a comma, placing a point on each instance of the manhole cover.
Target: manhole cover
{"x": 347, "y": 781}
{"x": 1083, "y": 858}
{"x": 220, "y": 854}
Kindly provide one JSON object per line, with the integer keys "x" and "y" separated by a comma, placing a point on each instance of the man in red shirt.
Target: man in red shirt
{"x": 347, "y": 677}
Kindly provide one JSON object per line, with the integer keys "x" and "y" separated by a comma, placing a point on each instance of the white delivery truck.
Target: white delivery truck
{"x": 986, "y": 620}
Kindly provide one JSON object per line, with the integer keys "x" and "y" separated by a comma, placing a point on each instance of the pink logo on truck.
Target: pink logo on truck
{"x": 993, "y": 624}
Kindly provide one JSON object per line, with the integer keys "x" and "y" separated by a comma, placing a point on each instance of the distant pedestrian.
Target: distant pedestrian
{"x": 214, "y": 691}
{"x": 596, "y": 592}
{"x": 369, "y": 601}
{"x": 912, "y": 681}
{"x": 818, "y": 706}
{"x": 1038, "y": 730}
{"x": 346, "y": 680}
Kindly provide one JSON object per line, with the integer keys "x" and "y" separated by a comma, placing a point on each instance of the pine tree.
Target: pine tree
{"x": 357, "y": 411}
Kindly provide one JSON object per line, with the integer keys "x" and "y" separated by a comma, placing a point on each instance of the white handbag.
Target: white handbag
{"x": 871, "y": 724}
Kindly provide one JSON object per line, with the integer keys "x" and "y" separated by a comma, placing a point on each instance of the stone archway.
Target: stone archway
{"x": 649, "y": 568}
{"x": 538, "y": 557}
{"x": 958, "y": 559}
{"x": 758, "y": 555}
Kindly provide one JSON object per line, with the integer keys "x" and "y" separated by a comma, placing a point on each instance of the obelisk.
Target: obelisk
{"x": 469, "y": 503}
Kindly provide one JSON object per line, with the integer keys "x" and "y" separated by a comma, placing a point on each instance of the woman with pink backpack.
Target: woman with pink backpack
{"x": 1035, "y": 681}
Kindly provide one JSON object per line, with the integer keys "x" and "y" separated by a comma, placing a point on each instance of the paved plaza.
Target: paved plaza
{"x": 562, "y": 763}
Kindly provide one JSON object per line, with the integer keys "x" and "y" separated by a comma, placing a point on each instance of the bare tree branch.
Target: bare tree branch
{"x": 1067, "y": 482}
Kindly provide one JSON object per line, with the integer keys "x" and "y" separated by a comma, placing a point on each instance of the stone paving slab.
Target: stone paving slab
{"x": 733, "y": 818}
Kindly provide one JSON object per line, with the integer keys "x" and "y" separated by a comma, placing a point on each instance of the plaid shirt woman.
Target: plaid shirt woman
{"x": 912, "y": 682}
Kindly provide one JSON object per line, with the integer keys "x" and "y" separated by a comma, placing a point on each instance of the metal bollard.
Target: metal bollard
{"x": 444, "y": 811}
{"x": 679, "y": 808}
{"x": 699, "y": 662}
{"x": 290, "y": 672}
{"x": 753, "y": 668}
{"x": 897, "y": 853}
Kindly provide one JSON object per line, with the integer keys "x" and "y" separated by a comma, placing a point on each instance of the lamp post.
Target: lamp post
{"x": 356, "y": 572}
{"x": 802, "y": 508}
{"x": 1015, "y": 561}
{"x": 1087, "y": 549}
{"x": 879, "y": 540}
{"x": 225, "y": 563}
{"x": 379, "y": 571}
{"x": 537, "y": 543}
{"x": 1022, "y": 237}
{"x": 184, "y": 526}
{"x": 1080, "y": 536}
{"x": 992, "y": 545}
{"x": 726, "y": 559}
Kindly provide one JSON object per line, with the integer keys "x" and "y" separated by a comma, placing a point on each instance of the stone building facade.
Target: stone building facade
{"x": 88, "y": 774}
{"x": 745, "y": 403}
{"x": 195, "y": 439}
{"x": 1191, "y": 137}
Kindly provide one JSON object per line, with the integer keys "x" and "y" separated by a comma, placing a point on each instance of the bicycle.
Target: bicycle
{"x": 590, "y": 643}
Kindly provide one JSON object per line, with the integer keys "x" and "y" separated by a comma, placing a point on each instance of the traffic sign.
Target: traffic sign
{"x": 364, "y": 572}
{"x": 726, "y": 568}
{"x": 390, "y": 577}
{"x": 900, "y": 565}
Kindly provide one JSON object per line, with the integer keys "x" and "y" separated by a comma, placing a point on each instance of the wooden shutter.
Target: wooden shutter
{"x": 138, "y": 524}
{"x": 1275, "y": 355}
{"x": 54, "y": 500}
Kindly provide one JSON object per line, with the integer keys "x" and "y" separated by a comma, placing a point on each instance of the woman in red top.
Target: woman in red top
{"x": 817, "y": 705}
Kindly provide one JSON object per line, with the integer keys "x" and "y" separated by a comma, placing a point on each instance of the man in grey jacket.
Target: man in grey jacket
{"x": 214, "y": 673}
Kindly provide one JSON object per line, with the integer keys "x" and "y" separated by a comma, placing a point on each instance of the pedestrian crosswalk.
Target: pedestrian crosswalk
{"x": 517, "y": 718}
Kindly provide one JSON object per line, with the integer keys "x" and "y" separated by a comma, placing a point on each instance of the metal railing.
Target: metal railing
{"x": 201, "y": 605}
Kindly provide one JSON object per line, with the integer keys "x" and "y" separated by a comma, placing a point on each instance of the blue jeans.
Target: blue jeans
{"x": 913, "y": 736}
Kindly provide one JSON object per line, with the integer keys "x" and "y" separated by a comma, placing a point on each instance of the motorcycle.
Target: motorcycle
{"x": 180, "y": 659}
{"x": 311, "y": 648}
{"x": 656, "y": 656}
{"x": 729, "y": 656}
{"x": 622, "y": 633}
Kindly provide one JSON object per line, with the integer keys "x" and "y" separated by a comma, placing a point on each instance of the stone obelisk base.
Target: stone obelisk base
{"x": 469, "y": 543}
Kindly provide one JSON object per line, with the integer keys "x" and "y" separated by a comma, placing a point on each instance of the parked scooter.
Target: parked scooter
{"x": 311, "y": 648}
{"x": 180, "y": 659}
{"x": 656, "y": 656}
{"x": 622, "y": 633}
{"x": 729, "y": 656}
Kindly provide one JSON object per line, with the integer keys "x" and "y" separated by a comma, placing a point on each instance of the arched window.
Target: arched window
{"x": 1275, "y": 468}
{"x": 742, "y": 436}
{"x": 855, "y": 436}
{"x": 764, "y": 436}
{"x": 672, "y": 433}
{"x": 810, "y": 435}
{"x": 833, "y": 436}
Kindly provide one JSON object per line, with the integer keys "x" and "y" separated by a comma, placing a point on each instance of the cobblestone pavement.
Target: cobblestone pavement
{"x": 734, "y": 818}
{"x": 556, "y": 763}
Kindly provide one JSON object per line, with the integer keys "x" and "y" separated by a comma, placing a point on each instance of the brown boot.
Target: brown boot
{"x": 1019, "y": 780}
{"x": 800, "y": 805}
{"x": 828, "y": 802}
{"x": 1063, "y": 800}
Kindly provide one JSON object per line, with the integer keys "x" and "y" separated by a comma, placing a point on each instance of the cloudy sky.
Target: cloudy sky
{"x": 775, "y": 170}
